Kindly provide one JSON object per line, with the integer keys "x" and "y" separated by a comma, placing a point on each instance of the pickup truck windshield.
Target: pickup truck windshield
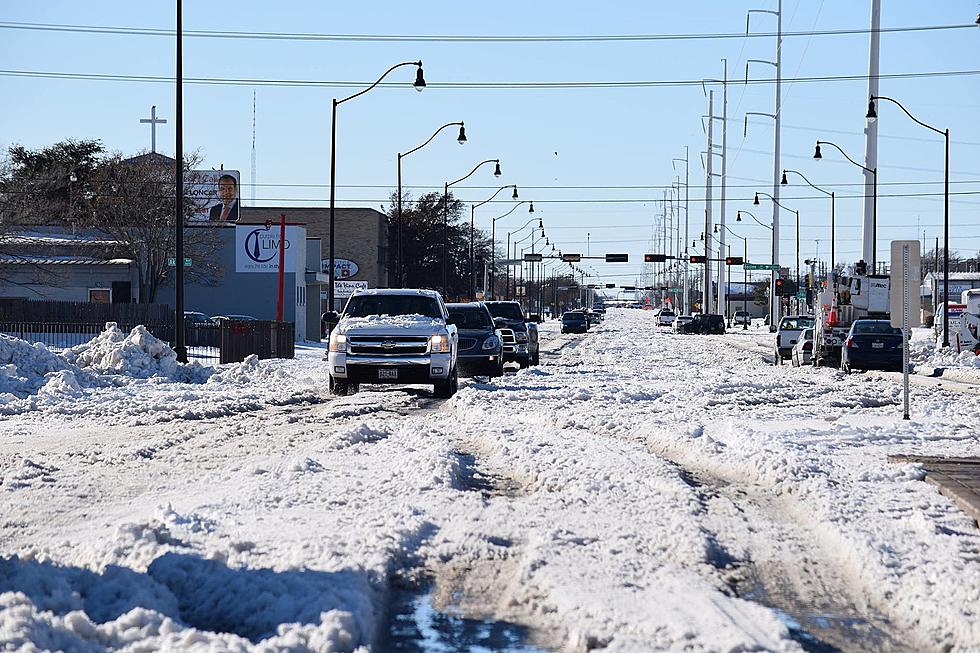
{"x": 471, "y": 318}
{"x": 367, "y": 305}
{"x": 506, "y": 310}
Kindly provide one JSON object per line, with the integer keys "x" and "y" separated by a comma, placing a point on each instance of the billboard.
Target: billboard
{"x": 257, "y": 248}
{"x": 215, "y": 195}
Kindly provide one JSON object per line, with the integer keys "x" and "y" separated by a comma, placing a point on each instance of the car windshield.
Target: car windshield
{"x": 573, "y": 317}
{"x": 470, "y": 318}
{"x": 366, "y": 305}
{"x": 666, "y": 312}
{"x": 877, "y": 328}
{"x": 796, "y": 323}
{"x": 506, "y": 310}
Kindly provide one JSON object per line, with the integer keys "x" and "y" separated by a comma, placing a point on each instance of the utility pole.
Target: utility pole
{"x": 868, "y": 248}
{"x": 687, "y": 235}
{"x": 722, "y": 268}
{"x": 706, "y": 301}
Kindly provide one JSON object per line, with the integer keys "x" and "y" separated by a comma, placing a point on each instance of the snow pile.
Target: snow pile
{"x": 139, "y": 355}
{"x": 25, "y": 369}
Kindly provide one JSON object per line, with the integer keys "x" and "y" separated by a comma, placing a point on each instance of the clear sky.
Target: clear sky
{"x": 571, "y": 150}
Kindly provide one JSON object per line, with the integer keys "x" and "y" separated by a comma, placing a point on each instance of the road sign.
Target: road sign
{"x": 904, "y": 301}
{"x": 532, "y": 258}
{"x": 676, "y": 290}
{"x": 801, "y": 295}
{"x": 761, "y": 266}
{"x": 617, "y": 258}
{"x": 172, "y": 262}
{"x": 628, "y": 287}
{"x": 571, "y": 258}
{"x": 610, "y": 285}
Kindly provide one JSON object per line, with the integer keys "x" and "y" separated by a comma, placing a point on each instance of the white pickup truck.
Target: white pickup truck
{"x": 393, "y": 336}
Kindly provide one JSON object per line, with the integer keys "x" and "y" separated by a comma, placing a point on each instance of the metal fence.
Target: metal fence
{"x": 227, "y": 341}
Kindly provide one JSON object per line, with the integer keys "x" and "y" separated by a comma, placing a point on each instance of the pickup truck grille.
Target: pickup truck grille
{"x": 509, "y": 342}
{"x": 393, "y": 346}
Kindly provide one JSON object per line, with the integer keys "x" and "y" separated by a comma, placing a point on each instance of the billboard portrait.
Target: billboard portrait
{"x": 215, "y": 194}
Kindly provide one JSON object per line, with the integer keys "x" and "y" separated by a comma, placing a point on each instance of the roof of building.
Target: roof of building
{"x": 61, "y": 260}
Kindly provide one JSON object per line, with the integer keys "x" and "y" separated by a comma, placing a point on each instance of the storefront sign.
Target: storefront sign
{"x": 257, "y": 248}
{"x": 345, "y": 288}
{"x": 343, "y": 268}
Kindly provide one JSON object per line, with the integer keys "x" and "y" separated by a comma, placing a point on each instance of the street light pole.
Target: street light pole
{"x": 873, "y": 116}
{"x": 399, "y": 267}
{"x": 473, "y": 208}
{"x": 833, "y": 228}
{"x": 445, "y": 215}
{"x": 874, "y": 202}
{"x": 419, "y": 85}
{"x": 493, "y": 249}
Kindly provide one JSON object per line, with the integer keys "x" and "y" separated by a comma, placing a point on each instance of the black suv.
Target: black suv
{"x": 705, "y": 324}
{"x": 511, "y": 316}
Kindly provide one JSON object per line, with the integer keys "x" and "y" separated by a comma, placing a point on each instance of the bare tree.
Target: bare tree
{"x": 133, "y": 202}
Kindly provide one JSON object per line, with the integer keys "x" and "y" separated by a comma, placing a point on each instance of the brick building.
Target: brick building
{"x": 361, "y": 247}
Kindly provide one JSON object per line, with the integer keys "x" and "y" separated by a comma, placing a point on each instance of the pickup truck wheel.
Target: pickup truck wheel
{"x": 536, "y": 359}
{"x": 446, "y": 389}
{"x": 779, "y": 358}
{"x": 341, "y": 388}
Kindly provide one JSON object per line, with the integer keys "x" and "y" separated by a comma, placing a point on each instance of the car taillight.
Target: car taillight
{"x": 850, "y": 343}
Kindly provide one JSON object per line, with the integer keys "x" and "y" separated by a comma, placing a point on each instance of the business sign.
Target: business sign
{"x": 344, "y": 288}
{"x": 214, "y": 195}
{"x": 342, "y": 268}
{"x": 257, "y": 248}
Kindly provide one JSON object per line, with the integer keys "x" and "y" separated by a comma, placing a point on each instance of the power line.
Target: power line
{"x": 448, "y": 38}
{"x": 677, "y": 83}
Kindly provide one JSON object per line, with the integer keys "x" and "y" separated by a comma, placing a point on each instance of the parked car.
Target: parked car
{"x": 196, "y": 318}
{"x": 237, "y": 318}
{"x": 393, "y": 336}
{"x": 574, "y": 322}
{"x": 705, "y": 324}
{"x": 592, "y": 318}
{"x": 803, "y": 349}
{"x": 666, "y": 317}
{"x": 511, "y": 316}
{"x": 872, "y": 345}
{"x": 480, "y": 342}
{"x": 680, "y": 322}
{"x": 200, "y": 330}
{"x": 742, "y": 318}
{"x": 790, "y": 328}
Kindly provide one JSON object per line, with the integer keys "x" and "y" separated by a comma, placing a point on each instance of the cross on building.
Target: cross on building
{"x": 153, "y": 122}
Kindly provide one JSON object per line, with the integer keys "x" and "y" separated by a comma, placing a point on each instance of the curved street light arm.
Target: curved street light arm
{"x": 729, "y": 229}
{"x": 380, "y": 79}
{"x": 749, "y": 13}
{"x": 416, "y": 149}
{"x": 512, "y": 210}
{"x": 477, "y": 167}
{"x": 514, "y": 186}
{"x": 900, "y": 106}
{"x": 796, "y": 172}
{"x": 783, "y": 206}
{"x": 761, "y": 224}
{"x": 837, "y": 147}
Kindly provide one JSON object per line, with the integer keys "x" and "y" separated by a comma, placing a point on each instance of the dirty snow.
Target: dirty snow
{"x": 256, "y": 512}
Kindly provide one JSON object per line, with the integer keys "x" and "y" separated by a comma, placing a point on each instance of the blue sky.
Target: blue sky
{"x": 553, "y": 143}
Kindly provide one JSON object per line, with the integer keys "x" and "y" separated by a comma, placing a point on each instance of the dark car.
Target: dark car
{"x": 872, "y": 345}
{"x": 705, "y": 324}
{"x": 480, "y": 343}
{"x": 511, "y": 316}
{"x": 574, "y": 322}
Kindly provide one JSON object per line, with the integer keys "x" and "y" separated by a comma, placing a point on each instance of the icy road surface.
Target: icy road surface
{"x": 639, "y": 491}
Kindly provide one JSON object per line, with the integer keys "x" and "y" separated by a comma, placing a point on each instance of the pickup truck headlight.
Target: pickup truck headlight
{"x": 491, "y": 343}
{"x": 338, "y": 342}
{"x": 439, "y": 344}
{"x": 520, "y": 336}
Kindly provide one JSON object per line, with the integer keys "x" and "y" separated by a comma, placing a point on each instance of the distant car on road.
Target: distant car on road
{"x": 666, "y": 317}
{"x": 741, "y": 318}
{"x": 803, "y": 349}
{"x": 480, "y": 342}
{"x": 196, "y": 318}
{"x": 574, "y": 322}
{"x": 680, "y": 322}
{"x": 790, "y": 328}
{"x": 872, "y": 345}
{"x": 705, "y": 324}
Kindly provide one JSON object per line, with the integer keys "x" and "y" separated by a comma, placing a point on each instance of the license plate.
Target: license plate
{"x": 878, "y": 345}
{"x": 387, "y": 374}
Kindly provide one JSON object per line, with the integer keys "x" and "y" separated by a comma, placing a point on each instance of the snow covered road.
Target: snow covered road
{"x": 638, "y": 491}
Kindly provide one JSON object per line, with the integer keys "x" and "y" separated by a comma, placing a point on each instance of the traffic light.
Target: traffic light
{"x": 617, "y": 258}
{"x": 733, "y": 260}
{"x": 780, "y": 287}
{"x": 699, "y": 259}
{"x": 654, "y": 258}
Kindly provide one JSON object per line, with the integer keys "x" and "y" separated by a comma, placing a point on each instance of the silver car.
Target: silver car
{"x": 803, "y": 349}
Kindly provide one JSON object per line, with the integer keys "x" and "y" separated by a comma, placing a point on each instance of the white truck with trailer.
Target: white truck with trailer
{"x": 860, "y": 296}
